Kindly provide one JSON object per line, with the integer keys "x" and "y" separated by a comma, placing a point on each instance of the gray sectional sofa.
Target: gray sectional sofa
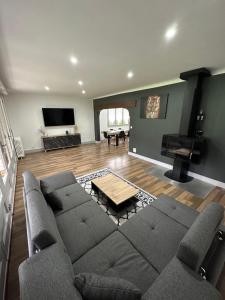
{"x": 167, "y": 250}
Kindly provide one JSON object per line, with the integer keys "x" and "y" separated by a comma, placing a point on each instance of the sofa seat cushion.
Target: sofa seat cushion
{"x": 176, "y": 210}
{"x": 178, "y": 282}
{"x": 155, "y": 235}
{"x": 83, "y": 227}
{"x": 48, "y": 275}
{"x": 116, "y": 257}
{"x": 96, "y": 287}
{"x": 70, "y": 196}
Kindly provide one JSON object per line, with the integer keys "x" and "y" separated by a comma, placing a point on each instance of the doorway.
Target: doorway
{"x": 114, "y": 123}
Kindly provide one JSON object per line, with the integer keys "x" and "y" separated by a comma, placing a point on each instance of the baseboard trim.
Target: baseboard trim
{"x": 89, "y": 142}
{"x": 207, "y": 179}
{"x": 28, "y": 151}
{"x": 169, "y": 166}
{"x": 33, "y": 150}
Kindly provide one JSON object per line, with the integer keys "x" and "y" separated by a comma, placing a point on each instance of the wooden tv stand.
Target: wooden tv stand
{"x": 61, "y": 141}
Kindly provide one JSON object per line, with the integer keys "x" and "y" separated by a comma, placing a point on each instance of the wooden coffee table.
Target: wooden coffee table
{"x": 115, "y": 188}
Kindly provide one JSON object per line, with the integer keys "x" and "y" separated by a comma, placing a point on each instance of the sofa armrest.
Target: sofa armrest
{"x": 48, "y": 275}
{"x": 197, "y": 241}
{"x": 178, "y": 282}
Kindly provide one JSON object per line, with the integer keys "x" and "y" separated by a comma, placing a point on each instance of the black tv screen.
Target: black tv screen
{"x": 58, "y": 116}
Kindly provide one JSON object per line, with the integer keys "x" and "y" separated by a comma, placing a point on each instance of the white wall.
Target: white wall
{"x": 25, "y": 114}
{"x": 103, "y": 120}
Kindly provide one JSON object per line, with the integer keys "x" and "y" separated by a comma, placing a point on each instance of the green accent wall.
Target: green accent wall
{"x": 146, "y": 135}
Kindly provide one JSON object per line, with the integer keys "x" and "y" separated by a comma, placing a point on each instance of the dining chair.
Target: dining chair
{"x": 106, "y": 136}
{"x": 122, "y": 135}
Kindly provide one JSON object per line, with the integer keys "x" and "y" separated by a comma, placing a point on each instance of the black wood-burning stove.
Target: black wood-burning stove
{"x": 189, "y": 145}
{"x": 184, "y": 150}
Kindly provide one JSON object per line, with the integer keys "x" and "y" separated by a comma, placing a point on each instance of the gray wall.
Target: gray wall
{"x": 213, "y": 104}
{"x": 146, "y": 134}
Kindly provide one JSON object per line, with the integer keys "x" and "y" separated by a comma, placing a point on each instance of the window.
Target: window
{"x": 5, "y": 134}
{"x": 3, "y": 169}
{"x": 118, "y": 117}
{"x": 4, "y": 145}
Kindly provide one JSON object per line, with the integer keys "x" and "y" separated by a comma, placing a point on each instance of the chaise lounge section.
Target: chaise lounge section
{"x": 161, "y": 250}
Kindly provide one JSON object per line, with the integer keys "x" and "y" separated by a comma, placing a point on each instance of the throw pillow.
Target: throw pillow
{"x": 96, "y": 287}
{"x": 54, "y": 201}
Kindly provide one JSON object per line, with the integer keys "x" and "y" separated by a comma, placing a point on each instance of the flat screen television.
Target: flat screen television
{"x": 58, "y": 116}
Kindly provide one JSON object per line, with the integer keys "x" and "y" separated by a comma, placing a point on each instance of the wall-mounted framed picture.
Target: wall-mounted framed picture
{"x": 154, "y": 106}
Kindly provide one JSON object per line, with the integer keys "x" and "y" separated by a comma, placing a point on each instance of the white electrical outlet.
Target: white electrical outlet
{"x": 134, "y": 150}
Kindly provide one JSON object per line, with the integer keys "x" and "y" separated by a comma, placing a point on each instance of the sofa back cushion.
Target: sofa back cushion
{"x": 50, "y": 185}
{"x": 30, "y": 182}
{"x": 42, "y": 225}
{"x": 96, "y": 287}
{"x": 54, "y": 201}
{"x": 55, "y": 182}
{"x": 197, "y": 241}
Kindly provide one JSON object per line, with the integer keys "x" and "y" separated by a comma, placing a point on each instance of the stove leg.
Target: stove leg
{"x": 179, "y": 171}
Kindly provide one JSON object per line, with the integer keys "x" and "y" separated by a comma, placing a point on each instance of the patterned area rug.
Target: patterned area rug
{"x": 119, "y": 214}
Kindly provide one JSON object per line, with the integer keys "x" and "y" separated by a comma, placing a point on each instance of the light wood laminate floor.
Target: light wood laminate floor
{"x": 83, "y": 160}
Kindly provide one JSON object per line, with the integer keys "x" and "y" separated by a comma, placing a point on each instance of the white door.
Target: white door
{"x": 8, "y": 163}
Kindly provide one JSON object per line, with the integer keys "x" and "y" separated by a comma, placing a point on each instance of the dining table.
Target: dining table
{"x": 115, "y": 133}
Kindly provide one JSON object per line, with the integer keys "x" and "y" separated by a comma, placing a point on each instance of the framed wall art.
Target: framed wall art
{"x": 154, "y": 106}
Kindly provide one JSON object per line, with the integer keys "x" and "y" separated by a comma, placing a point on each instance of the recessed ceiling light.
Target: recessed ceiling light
{"x": 47, "y": 88}
{"x": 73, "y": 60}
{"x": 83, "y": 92}
{"x": 171, "y": 32}
{"x": 130, "y": 74}
{"x": 80, "y": 82}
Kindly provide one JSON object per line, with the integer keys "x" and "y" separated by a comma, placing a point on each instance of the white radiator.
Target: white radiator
{"x": 19, "y": 147}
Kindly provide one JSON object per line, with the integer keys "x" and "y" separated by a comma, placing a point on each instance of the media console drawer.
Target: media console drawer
{"x": 61, "y": 141}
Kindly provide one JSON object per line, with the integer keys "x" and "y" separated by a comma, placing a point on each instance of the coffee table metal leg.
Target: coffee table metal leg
{"x": 94, "y": 187}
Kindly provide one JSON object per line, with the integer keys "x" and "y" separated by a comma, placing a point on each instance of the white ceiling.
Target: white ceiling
{"x": 109, "y": 38}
